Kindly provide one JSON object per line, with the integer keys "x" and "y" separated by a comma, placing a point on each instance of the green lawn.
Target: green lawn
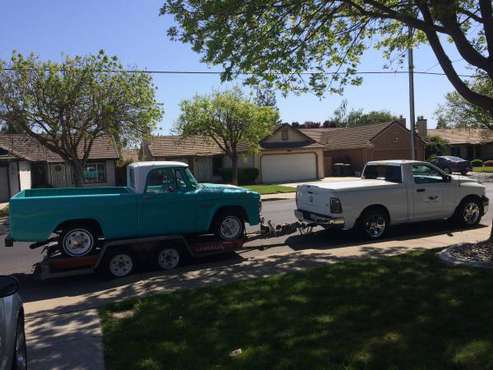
{"x": 482, "y": 169}
{"x": 404, "y": 312}
{"x": 270, "y": 189}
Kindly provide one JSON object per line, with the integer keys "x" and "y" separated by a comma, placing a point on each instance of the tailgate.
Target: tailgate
{"x": 313, "y": 199}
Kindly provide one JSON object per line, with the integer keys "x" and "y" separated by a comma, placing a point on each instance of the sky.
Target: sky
{"x": 134, "y": 31}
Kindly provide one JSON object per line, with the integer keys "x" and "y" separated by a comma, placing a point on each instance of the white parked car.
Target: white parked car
{"x": 389, "y": 193}
{"x": 12, "y": 335}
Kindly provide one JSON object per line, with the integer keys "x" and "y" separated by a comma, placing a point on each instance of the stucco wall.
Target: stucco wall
{"x": 394, "y": 143}
{"x": 293, "y": 136}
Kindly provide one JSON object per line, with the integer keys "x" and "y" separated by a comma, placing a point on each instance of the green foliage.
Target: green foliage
{"x": 436, "y": 146}
{"x": 229, "y": 119}
{"x": 271, "y": 189}
{"x": 246, "y": 176}
{"x": 344, "y": 117}
{"x": 458, "y": 112}
{"x": 477, "y": 163}
{"x": 302, "y": 45}
{"x": 67, "y": 105}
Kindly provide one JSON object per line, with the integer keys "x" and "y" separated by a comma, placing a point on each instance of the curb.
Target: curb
{"x": 448, "y": 259}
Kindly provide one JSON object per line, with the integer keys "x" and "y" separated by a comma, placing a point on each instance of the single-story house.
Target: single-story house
{"x": 25, "y": 164}
{"x": 292, "y": 154}
{"x": 467, "y": 143}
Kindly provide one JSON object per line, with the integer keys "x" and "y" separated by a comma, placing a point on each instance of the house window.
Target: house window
{"x": 284, "y": 134}
{"x": 217, "y": 165}
{"x": 455, "y": 151}
{"x": 94, "y": 173}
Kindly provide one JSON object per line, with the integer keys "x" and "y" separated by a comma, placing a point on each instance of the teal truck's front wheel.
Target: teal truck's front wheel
{"x": 78, "y": 241}
{"x": 229, "y": 225}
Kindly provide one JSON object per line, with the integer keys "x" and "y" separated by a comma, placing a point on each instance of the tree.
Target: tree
{"x": 292, "y": 44}
{"x": 344, "y": 117}
{"x": 442, "y": 122}
{"x": 461, "y": 113}
{"x": 436, "y": 146}
{"x": 67, "y": 106}
{"x": 265, "y": 97}
{"x": 229, "y": 119}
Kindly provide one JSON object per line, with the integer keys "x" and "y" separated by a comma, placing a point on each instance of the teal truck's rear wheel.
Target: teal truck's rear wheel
{"x": 78, "y": 241}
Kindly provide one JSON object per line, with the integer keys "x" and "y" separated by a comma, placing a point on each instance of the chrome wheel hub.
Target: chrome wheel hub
{"x": 121, "y": 265}
{"x": 78, "y": 242}
{"x": 471, "y": 213}
{"x": 230, "y": 227}
{"x": 375, "y": 226}
{"x": 168, "y": 258}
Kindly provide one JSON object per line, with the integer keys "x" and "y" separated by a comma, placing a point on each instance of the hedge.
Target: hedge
{"x": 477, "y": 163}
{"x": 246, "y": 176}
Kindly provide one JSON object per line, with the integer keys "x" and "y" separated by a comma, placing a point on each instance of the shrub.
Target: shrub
{"x": 476, "y": 163}
{"x": 488, "y": 163}
{"x": 246, "y": 176}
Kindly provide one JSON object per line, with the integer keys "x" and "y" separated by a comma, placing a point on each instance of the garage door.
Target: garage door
{"x": 4, "y": 185}
{"x": 289, "y": 167}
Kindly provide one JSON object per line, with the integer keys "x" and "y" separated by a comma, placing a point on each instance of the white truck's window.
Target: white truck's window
{"x": 383, "y": 172}
{"x": 161, "y": 180}
{"x": 424, "y": 174}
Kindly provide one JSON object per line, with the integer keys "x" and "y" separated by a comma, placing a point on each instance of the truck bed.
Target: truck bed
{"x": 71, "y": 192}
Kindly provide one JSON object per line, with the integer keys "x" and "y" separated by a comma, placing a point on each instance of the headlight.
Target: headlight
{"x": 335, "y": 205}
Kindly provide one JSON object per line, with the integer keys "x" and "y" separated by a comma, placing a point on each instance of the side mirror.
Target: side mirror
{"x": 8, "y": 286}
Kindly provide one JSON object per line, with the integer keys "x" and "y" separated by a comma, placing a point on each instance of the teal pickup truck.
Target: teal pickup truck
{"x": 161, "y": 198}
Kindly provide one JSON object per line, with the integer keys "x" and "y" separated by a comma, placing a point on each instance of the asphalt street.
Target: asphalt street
{"x": 20, "y": 259}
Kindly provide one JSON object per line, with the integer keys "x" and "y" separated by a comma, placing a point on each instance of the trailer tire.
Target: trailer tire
{"x": 118, "y": 263}
{"x": 78, "y": 240}
{"x": 169, "y": 257}
{"x": 229, "y": 225}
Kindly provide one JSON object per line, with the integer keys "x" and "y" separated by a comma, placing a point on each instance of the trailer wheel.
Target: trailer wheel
{"x": 169, "y": 258}
{"x": 229, "y": 226}
{"x": 119, "y": 263}
{"x": 78, "y": 240}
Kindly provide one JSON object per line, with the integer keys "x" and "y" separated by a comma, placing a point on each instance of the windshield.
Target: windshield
{"x": 452, "y": 158}
{"x": 191, "y": 179}
{"x": 383, "y": 172}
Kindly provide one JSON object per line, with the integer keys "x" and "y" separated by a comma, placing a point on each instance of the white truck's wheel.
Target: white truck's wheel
{"x": 469, "y": 212}
{"x": 168, "y": 258}
{"x": 77, "y": 241}
{"x": 20, "y": 352}
{"x": 229, "y": 226}
{"x": 374, "y": 223}
{"x": 120, "y": 264}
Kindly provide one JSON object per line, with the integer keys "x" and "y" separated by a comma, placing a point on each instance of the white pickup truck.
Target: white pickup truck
{"x": 389, "y": 193}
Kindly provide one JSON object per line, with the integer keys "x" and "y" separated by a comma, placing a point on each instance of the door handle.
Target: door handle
{"x": 433, "y": 197}
{"x": 420, "y": 190}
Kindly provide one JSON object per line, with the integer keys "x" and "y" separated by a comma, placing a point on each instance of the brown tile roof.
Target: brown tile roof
{"x": 463, "y": 135}
{"x": 177, "y": 146}
{"x": 347, "y": 138}
{"x": 25, "y": 147}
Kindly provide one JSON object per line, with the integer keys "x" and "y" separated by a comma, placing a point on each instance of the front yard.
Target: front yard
{"x": 270, "y": 189}
{"x": 403, "y": 312}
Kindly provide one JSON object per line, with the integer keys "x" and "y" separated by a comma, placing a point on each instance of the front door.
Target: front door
{"x": 4, "y": 184}
{"x": 429, "y": 190}
{"x": 168, "y": 206}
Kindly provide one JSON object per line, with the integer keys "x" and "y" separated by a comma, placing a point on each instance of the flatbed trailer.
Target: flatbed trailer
{"x": 119, "y": 258}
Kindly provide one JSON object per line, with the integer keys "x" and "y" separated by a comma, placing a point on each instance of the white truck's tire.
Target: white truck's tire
{"x": 469, "y": 212}
{"x": 373, "y": 223}
{"x": 78, "y": 241}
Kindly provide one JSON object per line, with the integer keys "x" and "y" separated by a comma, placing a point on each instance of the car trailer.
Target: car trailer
{"x": 119, "y": 258}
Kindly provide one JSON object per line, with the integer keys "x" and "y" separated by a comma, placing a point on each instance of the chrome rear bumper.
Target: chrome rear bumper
{"x": 306, "y": 216}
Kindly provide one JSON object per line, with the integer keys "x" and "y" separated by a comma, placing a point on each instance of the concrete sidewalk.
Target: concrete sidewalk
{"x": 64, "y": 331}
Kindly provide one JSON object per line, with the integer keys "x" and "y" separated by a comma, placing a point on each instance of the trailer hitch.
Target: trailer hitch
{"x": 269, "y": 230}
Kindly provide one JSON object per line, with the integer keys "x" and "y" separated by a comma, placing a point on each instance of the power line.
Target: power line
{"x": 183, "y": 72}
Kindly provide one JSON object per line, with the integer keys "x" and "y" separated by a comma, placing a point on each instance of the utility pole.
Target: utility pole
{"x": 411, "y": 92}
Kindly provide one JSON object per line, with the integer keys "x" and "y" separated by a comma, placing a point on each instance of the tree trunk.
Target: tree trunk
{"x": 77, "y": 172}
{"x": 234, "y": 168}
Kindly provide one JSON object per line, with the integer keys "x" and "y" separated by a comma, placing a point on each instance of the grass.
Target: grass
{"x": 4, "y": 212}
{"x": 404, "y": 312}
{"x": 482, "y": 169}
{"x": 270, "y": 189}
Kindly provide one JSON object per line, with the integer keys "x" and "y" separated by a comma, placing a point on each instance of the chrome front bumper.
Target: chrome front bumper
{"x": 310, "y": 217}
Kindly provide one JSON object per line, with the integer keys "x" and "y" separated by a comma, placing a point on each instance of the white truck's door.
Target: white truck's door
{"x": 428, "y": 189}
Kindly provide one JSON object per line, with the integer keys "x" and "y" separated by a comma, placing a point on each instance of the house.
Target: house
{"x": 467, "y": 143}
{"x": 292, "y": 154}
{"x": 25, "y": 164}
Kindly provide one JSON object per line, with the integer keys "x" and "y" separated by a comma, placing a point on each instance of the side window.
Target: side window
{"x": 181, "y": 184}
{"x": 424, "y": 174}
{"x": 161, "y": 180}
